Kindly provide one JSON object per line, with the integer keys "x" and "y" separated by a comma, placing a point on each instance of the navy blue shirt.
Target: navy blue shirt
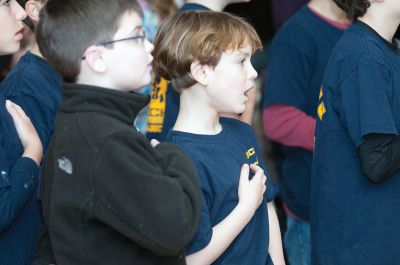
{"x": 164, "y": 104}
{"x": 19, "y": 211}
{"x": 36, "y": 87}
{"x": 355, "y": 221}
{"x": 218, "y": 160}
{"x": 296, "y": 63}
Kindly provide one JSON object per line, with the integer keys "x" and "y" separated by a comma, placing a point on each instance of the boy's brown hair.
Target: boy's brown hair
{"x": 68, "y": 27}
{"x": 198, "y": 36}
{"x": 353, "y": 8}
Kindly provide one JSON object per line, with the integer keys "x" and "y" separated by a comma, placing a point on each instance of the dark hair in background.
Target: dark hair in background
{"x": 353, "y": 8}
{"x": 67, "y": 27}
{"x": 163, "y": 8}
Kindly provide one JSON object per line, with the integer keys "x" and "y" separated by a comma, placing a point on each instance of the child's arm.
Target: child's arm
{"x": 250, "y": 197}
{"x": 27, "y": 134}
{"x": 42, "y": 116}
{"x": 18, "y": 183}
{"x": 275, "y": 241}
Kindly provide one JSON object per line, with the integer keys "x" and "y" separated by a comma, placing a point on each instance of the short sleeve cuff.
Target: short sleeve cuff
{"x": 270, "y": 193}
{"x": 199, "y": 243}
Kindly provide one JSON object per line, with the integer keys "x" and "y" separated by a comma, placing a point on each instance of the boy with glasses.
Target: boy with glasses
{"x": 108, "y": 195}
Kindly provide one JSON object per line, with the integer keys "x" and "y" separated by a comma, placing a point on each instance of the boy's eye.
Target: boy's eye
{"x": 140, "y": 37}
{"x": 7, "y": 3}
{"x": 243, "y": 61}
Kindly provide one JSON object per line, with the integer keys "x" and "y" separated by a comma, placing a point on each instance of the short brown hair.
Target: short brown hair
{"x": 198, "y": 35}
{"x": 353, "y": 8}
{"x": 67, "y": 27}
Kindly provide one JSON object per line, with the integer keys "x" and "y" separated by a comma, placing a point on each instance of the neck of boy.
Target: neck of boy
{"x": 330, "y": 10}
{"x": 215, "y": 5}
{"x": 196, "y": 115}
{"x": 386, "y": 27}
{"x": 35, "y": 50}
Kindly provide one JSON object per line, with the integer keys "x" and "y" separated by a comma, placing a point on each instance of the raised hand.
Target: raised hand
{"x": 27, "y": 134}
{"x": 251, "y": 191}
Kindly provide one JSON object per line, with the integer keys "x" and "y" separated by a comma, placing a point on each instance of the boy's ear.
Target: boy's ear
{"x": 199, "y": 72}
{"x": 33, "y": 8}
{"x": 93, "y": 58}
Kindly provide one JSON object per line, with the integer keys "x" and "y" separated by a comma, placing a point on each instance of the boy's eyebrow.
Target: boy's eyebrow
{"x": 243, "y": 53}
{"x": 137, "y": 28}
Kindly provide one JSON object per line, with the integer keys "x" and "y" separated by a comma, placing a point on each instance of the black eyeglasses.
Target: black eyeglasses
{"x": 141, "y": 37}
{"x": 105, "y": 43}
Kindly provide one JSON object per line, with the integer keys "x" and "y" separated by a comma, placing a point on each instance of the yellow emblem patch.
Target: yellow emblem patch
{"x": 321, "y": 110}
{"x": 251, "y": 152}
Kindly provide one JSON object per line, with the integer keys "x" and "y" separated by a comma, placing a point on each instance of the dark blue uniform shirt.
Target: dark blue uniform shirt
{"x": 218, "y": 160}
{"x": 355, "y": 221}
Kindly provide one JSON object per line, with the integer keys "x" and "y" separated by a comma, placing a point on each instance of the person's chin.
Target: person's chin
{"x": 239, "y": 110}
{"x": 148, "y": 80}
{"x": 13, "y": 47}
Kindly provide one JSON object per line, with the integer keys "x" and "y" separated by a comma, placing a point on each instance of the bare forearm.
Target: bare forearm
{"x": 223, "y": 235}
{"x": 275, "y": 241}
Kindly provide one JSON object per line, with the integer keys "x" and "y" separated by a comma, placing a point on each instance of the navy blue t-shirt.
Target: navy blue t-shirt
{"x": 353, "y": 220}
{"x": 36, "y": 87}
{"x": 218, "y": 160}
{"x": 164, "y": 104}
{"x": 296, "y": 63}
{"x": 19, "y": 209}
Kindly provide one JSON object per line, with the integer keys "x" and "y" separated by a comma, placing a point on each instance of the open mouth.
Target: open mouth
{"x": 20, "y": 33}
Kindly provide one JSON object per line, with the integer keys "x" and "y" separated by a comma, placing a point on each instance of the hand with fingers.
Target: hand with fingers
{"x": 251, "y": 191}
{"x": 154, "y": 142}
{"x": 27, "y": 134}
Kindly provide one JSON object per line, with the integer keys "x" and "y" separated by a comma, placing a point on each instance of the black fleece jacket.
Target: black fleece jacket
{"x": 108, "y": 196}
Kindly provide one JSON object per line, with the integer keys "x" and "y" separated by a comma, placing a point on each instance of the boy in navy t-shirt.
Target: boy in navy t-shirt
{"x": 18, "y": 172}
{"x": 164, "y": 104}
{"x": 34, "y": 84}
{"x": 206, "y": 55}
{"x": 355, "y": 178}
{"x": 296, "y": 64}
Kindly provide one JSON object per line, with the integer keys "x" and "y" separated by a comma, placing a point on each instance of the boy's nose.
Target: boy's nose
{"x": 252, "y": 72}
{"x": 149, "y": 46}
{"x": 19, "y": 12}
